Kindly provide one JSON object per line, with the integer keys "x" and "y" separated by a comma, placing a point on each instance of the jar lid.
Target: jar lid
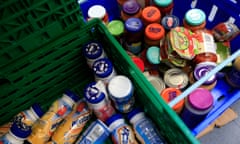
{"x": 170, "y": 21}
{"x": 115, "y": 27}
{"x": 162, "y": 3}
{"x": 169, "y": 94}
{"x": 153, "y": 55}
{"x": 151, "y": 14}
{"x": 20, "y": 130}
{"x": 200, "y": 99}
{"x": 113, "y": 118}
{"x": 92, "y": 50}
{"x": 37, "y": 109}
{"x": 176, "y": 78}
{"x": 139, "y": 62}
{"x": 102, "y": 67}
{"x": 133, "y": 25}
{"x": 93, "y": 94}
{"x": 154, "y": 31}
{"x": 131, "y": 7}
{"x": 72, "y": 95}
{"x": 195, "y": 16}
{"x": 157, "y": 83}
{"x": 203, "y": 69}
{"x": 96, "y": 11}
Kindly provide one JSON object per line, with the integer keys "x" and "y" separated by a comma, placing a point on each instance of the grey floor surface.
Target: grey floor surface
{"x": 228, "y": 134}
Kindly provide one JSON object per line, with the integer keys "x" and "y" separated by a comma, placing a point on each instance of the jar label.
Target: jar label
{"x": 205, "y": 43}
{"x": 123, "y": 135}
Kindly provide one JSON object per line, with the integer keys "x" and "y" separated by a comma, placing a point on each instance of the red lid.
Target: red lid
{"x": 151, "y": 14}
{"x": 139, "y": 62}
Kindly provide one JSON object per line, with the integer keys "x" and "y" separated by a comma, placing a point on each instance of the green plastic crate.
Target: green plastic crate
{"x": 43, "y": 75}
{"x": 26, "y": 25}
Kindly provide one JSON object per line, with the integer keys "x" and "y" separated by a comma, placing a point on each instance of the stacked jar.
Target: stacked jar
{"x": 165, "y": 6}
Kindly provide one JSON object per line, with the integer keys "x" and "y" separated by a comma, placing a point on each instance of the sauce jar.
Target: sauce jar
{"x": 156, "y": 81}
{"x": 116, "y": 28}
{"x": 98, "y": 11}
{"x": 197, "y": 105}
{"x": 154, "y": 35}
{"x": 130, "y": 9}
{"x": 169, "y": 94}
{"x": 194, "y": 19}
{"x": 169, "y": 22}
{"x": 233, "y": 76}
{"x": 150, "y": 14}
{"x": 133, "y": 35}
{"x": 165, "y": 6}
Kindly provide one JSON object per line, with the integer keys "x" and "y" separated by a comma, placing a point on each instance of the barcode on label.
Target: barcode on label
{"x": 95, "y": 133}
{"x": 209, "y": 44}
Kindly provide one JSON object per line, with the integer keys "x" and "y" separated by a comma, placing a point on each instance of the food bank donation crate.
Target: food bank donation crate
{"x": 49, "y": 63}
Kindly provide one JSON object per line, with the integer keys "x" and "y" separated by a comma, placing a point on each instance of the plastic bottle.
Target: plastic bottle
{"x": 96, "y": 133}
{"x": 131, "y": 8}
{"x": 98, "y": 101}
{"x": 44, "y": 127}
{"x": 72, "y": 124}
{"x": 150, "y": 14}
{"x": 121, "y": 132}
{"x": 17, "y": 134}
{"x": 145, "y": 130}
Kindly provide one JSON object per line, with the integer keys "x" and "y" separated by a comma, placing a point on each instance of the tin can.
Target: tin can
{"x": 103, "y": 70}
{"x": 99, "y": 12}
{"x": 156, "y": 81}
{"x": 130, "y": 9}
{"x": 176, "y": 78}
{"x": 120, "y": 90}
{"x": 150, "y": 14}
{"x": 197, "y": 105}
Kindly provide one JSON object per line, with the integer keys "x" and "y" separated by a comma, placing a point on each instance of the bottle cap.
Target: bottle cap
{"x": 92, "y": 50}
{"x": 37, "y": 109}
{"x": 139, "y": 62}
{"x": 135, "y": 111}
{"x": 113, "y": 118}
{"x": 151, "y": 14}
{"x": 93, "y": 94}
{"x": 170, "y": 21}
{"x": 208, "y": 56}
{"x": 133, "y": 25}
{"x": 96, "y": 11}
{"x": 195, "y": 16}
{"x": 153, "y": 55}
{"x": 20, "y": 130}
{"x": 200, "y": 99}
{"x": 131, "y": 7}
{"x": 154, "y": 31}
{"x": 72, "y": 95}
{"x": 102, "y": 67}
{"x": 202, "y": 69}
{"x": 176, "y": 78}
{"x": 116, "y": 27}
{"x": 162, "y": 3}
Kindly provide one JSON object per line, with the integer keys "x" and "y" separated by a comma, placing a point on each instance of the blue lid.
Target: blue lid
{"x": 195, "y": 16}
{"x": 37, "y": 109}
{"x": 113, "y": 118}
{"x": 133, "y": 25}
{"x": 20, "y": 129}
{"x": 92, "y": 50}
{"x": 131, "y": 7}
{"x": 93, "y": 94}
{"x": 170, "y": 21}
{"x": 102, "y": 67}
{"x": 72, "y": 95}
{"x": 153, "y": 55}
{"x": 132, "y": 113}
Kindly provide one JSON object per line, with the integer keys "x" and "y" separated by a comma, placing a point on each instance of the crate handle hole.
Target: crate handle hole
{"x": 220, "y": 98}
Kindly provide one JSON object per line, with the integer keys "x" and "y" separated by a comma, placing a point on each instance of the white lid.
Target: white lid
{"x": 96, "y": 11}
{"x": 137, "y": 117}
{"x": 115, "y": 124}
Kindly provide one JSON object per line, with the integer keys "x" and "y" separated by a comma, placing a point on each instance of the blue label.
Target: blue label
{"x": 123, "y": 135}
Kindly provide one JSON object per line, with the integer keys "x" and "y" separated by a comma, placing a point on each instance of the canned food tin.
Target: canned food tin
{"x": 157, "y": 83}
{"x": 131, "y": 9}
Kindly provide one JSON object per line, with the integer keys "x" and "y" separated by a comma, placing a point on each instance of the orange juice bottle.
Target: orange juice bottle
{"x": 43, "y": 128}
{"x": 72, "y": 125}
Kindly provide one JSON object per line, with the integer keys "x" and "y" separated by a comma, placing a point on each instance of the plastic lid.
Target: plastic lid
{"x": 72, "y": 95}
{"x": 96, "y": 11}
{"x": 154, "y": 31}
{"x": 131, "y": 7}
{"x": 113, "y": 118}
{"x": 162, "y": 3}
{"x": 92, "y": 50}
{"x": 20, "y": 130}
{"x": 176, "y": 78}
{"x": 116, "y": 27}
{"x": 169, "y": 94}
{"x": 139, "y": 62}
{"x": 153, "y": 55}
{"x": 133, "y": 25}
{"x": 195, "y": 16}
{"x": 93, "y": 94}
{"x": 135, "y": 111}
{"x": 37, "y": 109}
{"x": 151, "y": 14}
{"x": 200, "y": 99}
{"x": 170, "y": 21}
{"x": 202, "y": 69}
{"x": 102, "y": 67}
{"x": 120, "y": 86}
